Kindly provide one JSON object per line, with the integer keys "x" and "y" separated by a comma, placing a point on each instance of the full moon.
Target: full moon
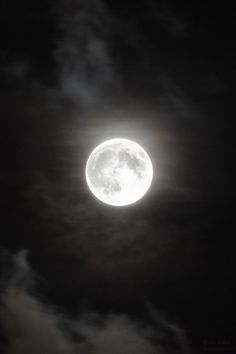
{"x": 119, "y": 172}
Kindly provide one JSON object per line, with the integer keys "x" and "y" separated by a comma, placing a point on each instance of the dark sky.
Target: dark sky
{"x": 78, "y": 276}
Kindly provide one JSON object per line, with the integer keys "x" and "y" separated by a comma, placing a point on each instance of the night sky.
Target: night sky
{"x": 76, "y": 275}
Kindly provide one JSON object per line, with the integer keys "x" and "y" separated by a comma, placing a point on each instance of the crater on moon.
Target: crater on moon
{"x": 119, "y": 172}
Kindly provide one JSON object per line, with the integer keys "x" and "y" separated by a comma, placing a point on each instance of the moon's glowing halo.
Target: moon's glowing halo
{"x": 119, "y": 172}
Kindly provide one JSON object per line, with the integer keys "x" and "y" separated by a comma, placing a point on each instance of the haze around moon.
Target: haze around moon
{"x": 119, "y": 172}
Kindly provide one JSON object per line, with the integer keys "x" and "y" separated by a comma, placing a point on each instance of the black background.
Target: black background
{"x": 172, "y": 80}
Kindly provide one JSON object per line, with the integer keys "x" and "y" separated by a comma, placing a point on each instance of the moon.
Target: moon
{"x": 119, "y": 172}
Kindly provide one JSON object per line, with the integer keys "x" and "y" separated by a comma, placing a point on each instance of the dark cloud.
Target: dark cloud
{"x": 33, "y": 327}
{"x": 87, "y": 73}
{"x": 17, "y": 70}
{"x": 165, "y": 16}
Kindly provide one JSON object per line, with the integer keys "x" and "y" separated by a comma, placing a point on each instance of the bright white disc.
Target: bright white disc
{"x": 119, "y": 172}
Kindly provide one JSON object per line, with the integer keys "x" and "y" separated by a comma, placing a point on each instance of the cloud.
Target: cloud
{"x": 17, "y": 70}
{"x": 171, "y": 23}
{"x": 117, "y": 334}
{"x": 33, "y": 327}
{"x": 29, "y": 326}
{"x": 86, "y": 68}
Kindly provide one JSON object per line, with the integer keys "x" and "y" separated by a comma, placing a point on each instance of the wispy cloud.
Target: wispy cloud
{"x": 33, "y": 327}
{"x": 86, "y": 69}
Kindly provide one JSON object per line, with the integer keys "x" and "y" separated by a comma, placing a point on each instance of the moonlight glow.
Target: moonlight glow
{"x": 119, "y": 172}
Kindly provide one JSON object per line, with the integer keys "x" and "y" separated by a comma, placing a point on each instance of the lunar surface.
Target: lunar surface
{"x": 119, "y": 172}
